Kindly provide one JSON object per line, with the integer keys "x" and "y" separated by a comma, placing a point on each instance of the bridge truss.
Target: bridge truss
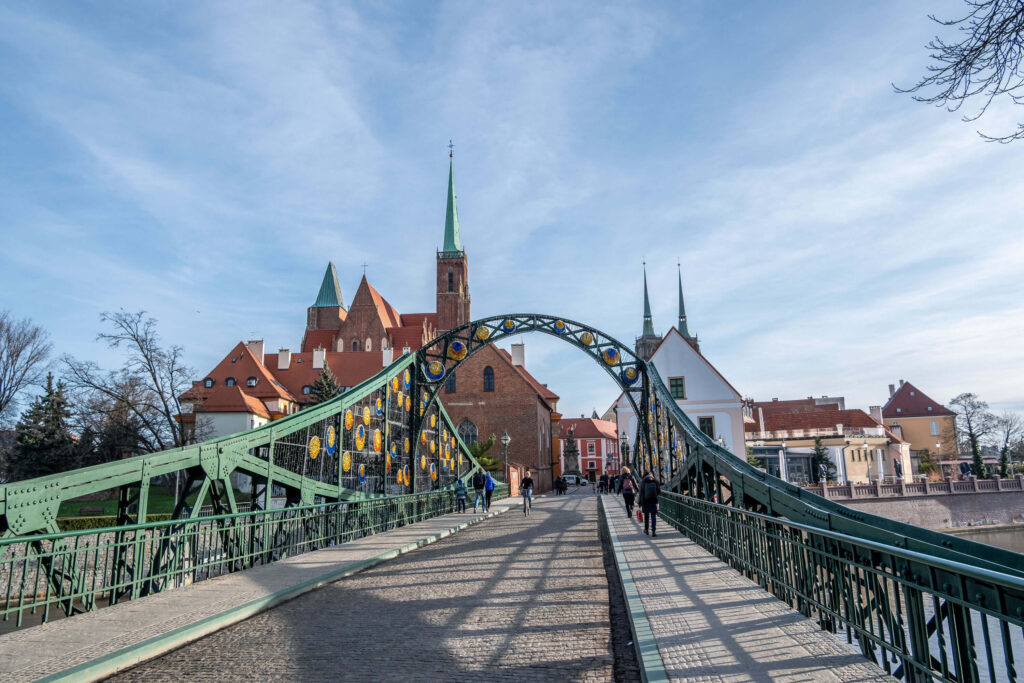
{"x": 922, "y": 604}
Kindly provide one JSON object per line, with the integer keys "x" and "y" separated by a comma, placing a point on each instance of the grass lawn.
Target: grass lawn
{"x": 159, "y": 502}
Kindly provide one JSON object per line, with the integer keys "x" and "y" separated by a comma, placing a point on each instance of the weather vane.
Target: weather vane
{"x": 451, "y": 149}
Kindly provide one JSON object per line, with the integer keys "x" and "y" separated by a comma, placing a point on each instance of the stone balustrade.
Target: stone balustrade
{"x": 900, "y": 489}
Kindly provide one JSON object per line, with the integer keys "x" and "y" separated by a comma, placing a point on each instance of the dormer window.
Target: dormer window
{"x": 251, "y": 382}
{"x": 307, "y": 390}
{"x": 230, "y": 381}
{"x": 929, "y": 409}
{"x": 899, "y": 410}
{"x": 208, "y": 382}
{"x": 911, "y": 393}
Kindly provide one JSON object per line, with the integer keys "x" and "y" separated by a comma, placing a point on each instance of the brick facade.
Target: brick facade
{"x": 513, "y": 406}
{"x": 452, "y": 290}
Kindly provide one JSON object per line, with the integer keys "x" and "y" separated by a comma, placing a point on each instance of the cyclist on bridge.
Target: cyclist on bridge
{"x": 526, "y": 486}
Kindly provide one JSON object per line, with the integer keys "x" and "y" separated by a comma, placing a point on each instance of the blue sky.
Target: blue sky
{"x": 203, "y": 161}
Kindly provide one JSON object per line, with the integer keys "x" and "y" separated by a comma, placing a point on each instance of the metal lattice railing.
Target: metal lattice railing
{"x": 919, "y": 617}
{"x": 120, "y": 563}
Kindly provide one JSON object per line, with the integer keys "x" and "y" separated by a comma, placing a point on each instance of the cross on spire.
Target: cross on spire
{"x": 451, "y": 149}
{"x": 365, "y": 264}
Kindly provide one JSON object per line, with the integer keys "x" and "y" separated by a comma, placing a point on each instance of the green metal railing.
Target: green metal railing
{"x": 120, "y": 563}
{"x": 919, "y": 617}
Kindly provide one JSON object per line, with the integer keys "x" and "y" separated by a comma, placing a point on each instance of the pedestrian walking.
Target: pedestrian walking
{"x": 479, "y": 481}
{"x": 649, "y": 491}
{"x": 460, "y": 495}
{"x": 526, "y": 486}
{"x": 489, "y": 489}
{"x": 628, "y": 485}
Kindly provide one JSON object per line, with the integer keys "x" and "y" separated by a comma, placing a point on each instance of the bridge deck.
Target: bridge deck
{"x": 710, "y": 623}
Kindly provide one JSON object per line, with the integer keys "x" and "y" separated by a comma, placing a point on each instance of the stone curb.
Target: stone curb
{"x": 652, "y": 668}
{"x": 109, "y": 664}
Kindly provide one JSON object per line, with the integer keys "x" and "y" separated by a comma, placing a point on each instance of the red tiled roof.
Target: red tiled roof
{"x": 225, "y": 399}
{"x": 909, "y": 401}
{"x": 319, "y": 339}
{"x": 241, "y": 364}
{"x": 407, "y": 335}
{"x": 388, "y": 315}
{"x": 419, "y": 319}
{"x": 800, "y": 405}
{"x": 349, "y": 368}
{"x": 588, "y": 428}
{"x": 819, "y": 419}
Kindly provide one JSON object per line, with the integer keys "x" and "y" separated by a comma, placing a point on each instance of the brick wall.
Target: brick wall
{"x": 452, "y": 306}
{"x": 513, "y": 406}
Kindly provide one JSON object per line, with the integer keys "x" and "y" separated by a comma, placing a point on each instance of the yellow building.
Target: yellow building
{"x": 927, "y": 425}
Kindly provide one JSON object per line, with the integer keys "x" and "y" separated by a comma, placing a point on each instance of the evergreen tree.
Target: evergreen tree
{"x": 479, "y": 450}
{"x": 44, "y": 443}
{"x": 325, "y": 387}
{"x": 819, "y": 457}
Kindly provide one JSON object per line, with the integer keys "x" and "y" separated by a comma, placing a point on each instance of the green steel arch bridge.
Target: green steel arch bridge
{"x": 921, "y": 604}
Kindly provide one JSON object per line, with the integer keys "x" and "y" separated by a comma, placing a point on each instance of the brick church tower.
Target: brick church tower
{"x": 452, "y": 269}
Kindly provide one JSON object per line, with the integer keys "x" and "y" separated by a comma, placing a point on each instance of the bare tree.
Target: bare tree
{"x": 150, "y": 382}
{"x": 983, "y": 65}
{"x": 974, "y": 422}
{"x": 24, "y": 348}
{"x": 1008, "y": 430}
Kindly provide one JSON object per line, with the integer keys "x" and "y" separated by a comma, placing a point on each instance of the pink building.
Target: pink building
{"x": 598, "y": 444}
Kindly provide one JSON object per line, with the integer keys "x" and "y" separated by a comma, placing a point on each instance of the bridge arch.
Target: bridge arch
{"x": 442, "y": 356}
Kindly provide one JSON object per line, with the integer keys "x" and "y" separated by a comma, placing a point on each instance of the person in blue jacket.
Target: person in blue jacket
{"x": 489, "y": 489}
{"x": 460, "y": 495}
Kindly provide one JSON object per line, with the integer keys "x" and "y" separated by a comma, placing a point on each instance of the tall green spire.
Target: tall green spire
{"x": 330, "y": 290}
{"x": 648, "y": 323}
{"x": 452, "y": 241}
{"x": 682, "y": 307}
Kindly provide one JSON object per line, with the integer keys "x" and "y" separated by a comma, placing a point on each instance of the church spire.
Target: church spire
{"x": 330, "y": 290}
{"x": 648, "y": 323}
{"x": 452, "y": 241}
{"x": 682, "y": 307}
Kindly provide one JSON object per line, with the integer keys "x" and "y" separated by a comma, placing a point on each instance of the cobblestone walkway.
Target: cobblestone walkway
{"x": 513, "y": 598}
{"x": 712, "y": 624}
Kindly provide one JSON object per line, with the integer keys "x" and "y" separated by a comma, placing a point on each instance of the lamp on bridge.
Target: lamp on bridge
{"x": 624, "y": 448}
{"x": 505, "y": 441}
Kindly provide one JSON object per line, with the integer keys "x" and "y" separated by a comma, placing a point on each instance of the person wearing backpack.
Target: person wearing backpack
{"x": 479, "y": 481}
{"x": 489, "y": 485}
{"x": 628, "y": 486}
{"x": 460, "y": 496}
{"x": 649, "y": 490}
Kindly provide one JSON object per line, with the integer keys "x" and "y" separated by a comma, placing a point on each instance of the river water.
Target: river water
{"x": 1008, "y": 536}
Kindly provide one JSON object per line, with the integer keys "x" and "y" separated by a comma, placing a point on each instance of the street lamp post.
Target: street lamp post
{"x": 505, "y": 441}
{"x": 783, "y": 473}
{"x": 624, "y": 449}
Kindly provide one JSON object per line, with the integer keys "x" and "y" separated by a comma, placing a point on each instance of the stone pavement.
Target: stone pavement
{"x": 96, "y": 644}
{"x": 710, "y": 623}
{"x": 514, "y": 598}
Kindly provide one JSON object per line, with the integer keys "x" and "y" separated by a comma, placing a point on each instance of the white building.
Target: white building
{"x": 707, "y": 398}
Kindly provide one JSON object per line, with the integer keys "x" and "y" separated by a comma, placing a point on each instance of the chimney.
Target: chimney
{"x": 839, "y": 429}
{"x": 876, "y": 413}
{"x": 319, "y": 358}
{"x": 519, "y": 355}
{"x": 892, "y": 389}
{"x": 775, "y": 398}
{"x": 896, "y": 429}
{"x": 284, "y": 359}
{"x": 901, "y": 383}
{"x": 256, "y": 346}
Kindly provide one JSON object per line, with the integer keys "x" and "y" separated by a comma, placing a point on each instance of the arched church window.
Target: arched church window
{"x": 369, "y": 344}
{"x": 488, "y": 378}
{"x": 355, "y": 344}
{"x": 449, "y": 384}
{"x": 467, "y": 431}
{"x": 451, "y": 280}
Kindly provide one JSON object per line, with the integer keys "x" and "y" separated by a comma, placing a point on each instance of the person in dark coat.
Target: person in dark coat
{"x": 649, "y": 491}
{"x": 628, "y": 486}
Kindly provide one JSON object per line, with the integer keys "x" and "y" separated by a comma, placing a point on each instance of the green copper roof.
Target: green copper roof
{"x": 330, "y": 290}
{"x": 452, "y": 241}
{"x": 648, "y": 324}
{"x": 682, "y": 309}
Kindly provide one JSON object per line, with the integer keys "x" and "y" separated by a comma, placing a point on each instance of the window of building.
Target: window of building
{"x": 911, "y": 393}
{"x": 307, "y": 390}
{"x": 251, "y": 382}
{"x": 369, "y": 344}
{"x": 208, "y": 382}
{"x": 899, "y": 410}
{"x": 707, "y": 425}
{"x": 449, "y": 384}
{"x": 591, "y": 449}
{"x": 451, "y": 280}
{"x": 677, "y": 387}
{"x": 488, "y": 378}
{"x": 467, "y": 431}
{"x": 355, "y": 344}
{"x": 591, "y": 465}
{"x": 934, "y": 427}
{"x": 230, "y": 381}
